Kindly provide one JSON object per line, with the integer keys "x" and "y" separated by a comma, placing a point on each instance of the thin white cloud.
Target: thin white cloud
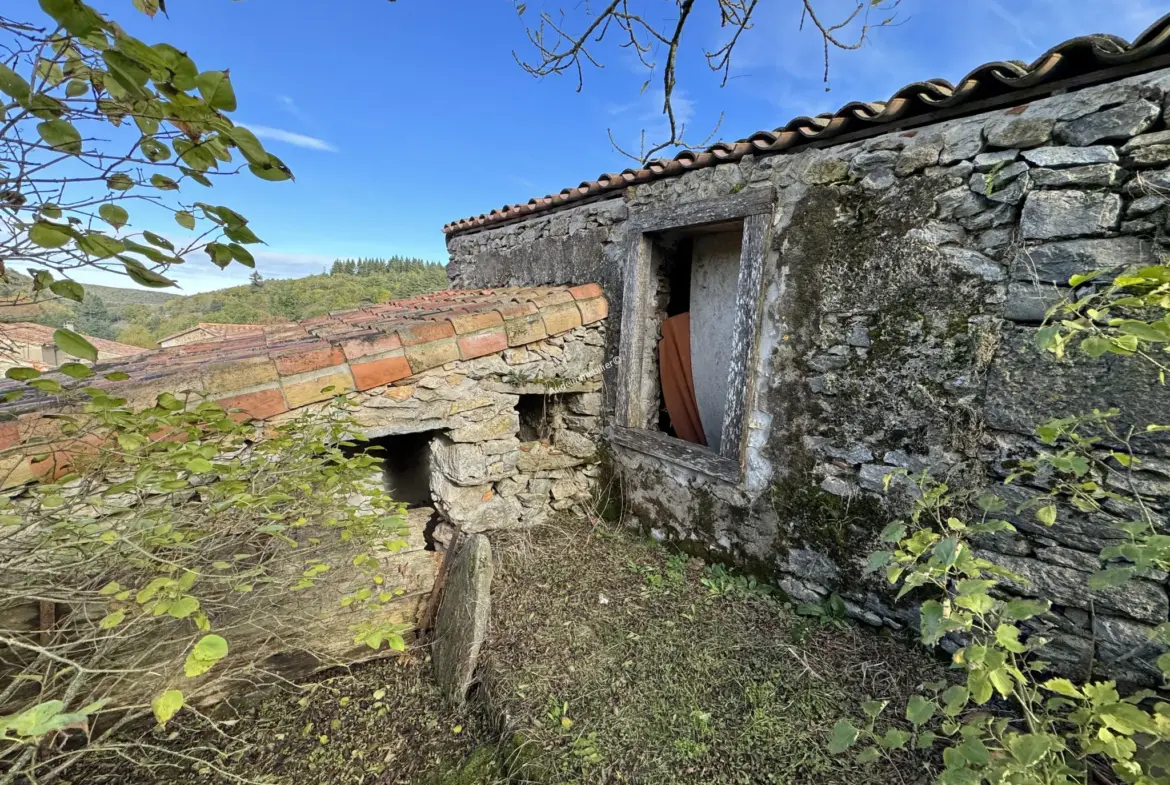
{"x": 289, "y": 137}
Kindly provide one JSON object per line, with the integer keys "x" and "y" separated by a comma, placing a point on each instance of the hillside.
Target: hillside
{"x": 110, "y": 312}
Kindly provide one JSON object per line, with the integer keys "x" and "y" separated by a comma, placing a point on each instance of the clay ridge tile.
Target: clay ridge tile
{"x": 925, "y": 101}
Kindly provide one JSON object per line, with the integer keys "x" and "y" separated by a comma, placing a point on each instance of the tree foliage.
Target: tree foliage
{"x": 165, "y": 544}
{"x": 100, "y": 133}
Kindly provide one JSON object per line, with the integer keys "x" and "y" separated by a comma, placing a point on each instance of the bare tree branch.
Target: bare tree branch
{"x": 565, "y": 45}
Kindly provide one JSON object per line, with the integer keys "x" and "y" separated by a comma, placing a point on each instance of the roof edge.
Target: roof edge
{"x": 1074, "y": 64}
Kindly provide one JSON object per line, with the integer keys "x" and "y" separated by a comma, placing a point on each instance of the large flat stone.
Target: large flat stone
{"x": 1055, "y": 214}
{"x": 1079, "y": 176}
{"x": 1028, "y": 302}
{"x": 1057, "y": 262}
{"x": 1060, "y": 157}
{"x": 1026, "y": 386}
{"x": 1120, "y": 122}
{"x": 1065, "y": 586}
{"x": 469, "y": 464}
{"x": 461, "y": 624}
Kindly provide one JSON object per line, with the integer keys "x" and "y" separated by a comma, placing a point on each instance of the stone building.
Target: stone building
{"x": 33, "y": 345}
{"x": 863, "y": 290}
{"x": 485, "y": 406}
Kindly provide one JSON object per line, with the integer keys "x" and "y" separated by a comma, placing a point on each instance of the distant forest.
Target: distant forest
{"x": 349, "y": 283}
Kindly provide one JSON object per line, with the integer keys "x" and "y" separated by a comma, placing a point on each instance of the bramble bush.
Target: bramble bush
{"x": 168, "y": 555}
{"x": 1042, "y": 729}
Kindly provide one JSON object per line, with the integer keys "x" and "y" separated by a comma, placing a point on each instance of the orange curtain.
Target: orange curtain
{"x": 678, "y": 386}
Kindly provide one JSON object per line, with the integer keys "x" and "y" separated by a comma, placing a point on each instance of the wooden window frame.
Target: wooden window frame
{"x": 754, "y": 207}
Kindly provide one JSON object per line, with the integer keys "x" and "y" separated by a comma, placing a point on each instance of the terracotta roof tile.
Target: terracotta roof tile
{"x": 281, "y": 367}
{"x": 1081, "y": 61}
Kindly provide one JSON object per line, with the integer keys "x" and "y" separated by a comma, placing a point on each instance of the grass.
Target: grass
{"x": 615, "y": 661}
{"x": 610, "y": 660}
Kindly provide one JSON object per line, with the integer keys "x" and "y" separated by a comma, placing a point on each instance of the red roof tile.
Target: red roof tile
{"x": 1077, "y": 62}
{"x": 273, "y": 367}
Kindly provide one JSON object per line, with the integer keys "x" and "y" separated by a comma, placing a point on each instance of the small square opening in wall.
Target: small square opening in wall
{"x": 535, "y": 411}
{"x": 406, "y": 466}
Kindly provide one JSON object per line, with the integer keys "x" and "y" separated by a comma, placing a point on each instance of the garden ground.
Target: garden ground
{"x": 609, "y": 659}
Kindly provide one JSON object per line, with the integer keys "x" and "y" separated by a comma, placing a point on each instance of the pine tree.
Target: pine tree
{"x": 256, "y": 279}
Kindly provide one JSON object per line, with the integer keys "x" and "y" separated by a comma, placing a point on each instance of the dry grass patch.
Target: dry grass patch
{"x": 614, "y": 661}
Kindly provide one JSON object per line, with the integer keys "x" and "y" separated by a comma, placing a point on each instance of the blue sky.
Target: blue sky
{"x": 399, "y": 117}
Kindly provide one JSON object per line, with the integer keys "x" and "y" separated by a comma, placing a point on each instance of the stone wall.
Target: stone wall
{"x": 905, "y": 277}
{"x": 487, "y": 472}
{"x": 511, "y": 438}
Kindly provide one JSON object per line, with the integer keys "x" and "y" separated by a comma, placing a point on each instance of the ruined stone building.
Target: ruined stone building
{"x": 863, "y": 291}
{"x": 811, "y": 307}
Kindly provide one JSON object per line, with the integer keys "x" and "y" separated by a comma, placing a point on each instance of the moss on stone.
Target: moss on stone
{"x": 843, "y": 529}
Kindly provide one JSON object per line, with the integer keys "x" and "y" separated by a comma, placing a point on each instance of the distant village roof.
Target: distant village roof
{"x": 283, "y": 367}
{"x": 219, "y": 330}
{"x": 1077, "y": 62}
{"x": 32, "y": 334}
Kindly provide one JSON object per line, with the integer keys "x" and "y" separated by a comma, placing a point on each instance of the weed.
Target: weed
{"x": 722, "y": 582}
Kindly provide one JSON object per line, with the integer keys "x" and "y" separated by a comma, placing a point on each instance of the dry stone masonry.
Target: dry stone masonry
{"x": 905, "y": 276}
{"x": 492, "y": 397}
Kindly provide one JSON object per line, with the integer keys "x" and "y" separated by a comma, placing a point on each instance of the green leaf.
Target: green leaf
{"x": 895, "y": 739}
{"x": 70, "y": 290}
{"x": 1022, "y": 610}
{"x": 76, "y": 88}
{"x": 114, "y": 215}
{"x": 242, "y": 255}
{"x": 919, "y": 710}
{"x": 140, "y": 274}
{"x": 199, "y": 466}
{"x": 1095, "y": 346}
{"x": 22, "y": 374}
{"x": 74, "y": 344}
{"x": 1029, "y": 749}
{"x": 894, "y": 532}
{"x": 117, "y": 376}
{"x": 76, "y": 17}
{"x": 207, "y": 652}
{"x": 185, "y": 219}
{"x": 158, "y": 240}
{"x": 100, "y": 246}
{"x": 167, "y": 705}
{"x": 13, "y": 85}
{"x": 1063, "y": 687}
{"x": 216, "y": 89}
{"x": 843, "y": 736}
{"x": 120, "y": 181}
{"x": 183, "y": 607}
{"x": 112, "y": 620}
{"x": 249, "y": 145}
{"x": 877, "y": 560}
{"x": 1110, "y": 577}
{"x": 61, "y": 136}
{"x": 163, "y": 183}
{"x": 1047, "y": 514}
{"x": 1008, "y": 636}
{"x": 1002, "y": 681}
{"x": 241, "y": 234}
{"x": 150, "y": 8}
{"x": 46, "y": 385}
{"x": 76, "y": 370}
{"x": 273, "y": 170}
{"x": 49, "y": 235}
